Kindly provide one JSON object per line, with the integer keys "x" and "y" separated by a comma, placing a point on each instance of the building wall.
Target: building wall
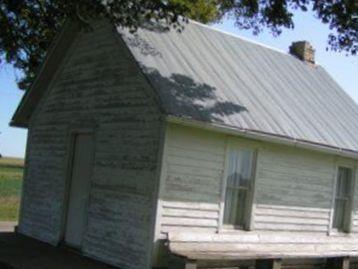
{"x": 98, "y": 87}
{"x": 190, "y": 195}
{"x": 294, "y": 190}
{"x": 293, "y": 187}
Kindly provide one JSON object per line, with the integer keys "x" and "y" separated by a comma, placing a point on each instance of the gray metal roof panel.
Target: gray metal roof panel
{"x": 207, "y": 75}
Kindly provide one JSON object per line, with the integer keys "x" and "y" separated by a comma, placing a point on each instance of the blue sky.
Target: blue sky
{"x": 12, "y": 140}
{"x": 343, "y": 69}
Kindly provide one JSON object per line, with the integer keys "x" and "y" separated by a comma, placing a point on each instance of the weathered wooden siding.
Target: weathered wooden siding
{"x": 192, "y": 182}
{"x": 293, "y": 190}
{"x": 293, "y": 187}
{"x": 98, "y": 87}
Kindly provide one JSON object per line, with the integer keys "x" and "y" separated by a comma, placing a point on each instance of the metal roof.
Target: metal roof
{"x": 210, "y": 76}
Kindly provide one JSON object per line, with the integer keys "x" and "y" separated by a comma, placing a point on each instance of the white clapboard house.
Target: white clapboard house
{"x": 197, "y": 149}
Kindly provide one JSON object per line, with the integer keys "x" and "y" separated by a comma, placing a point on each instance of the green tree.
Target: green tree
{"x": 27, "y": 27}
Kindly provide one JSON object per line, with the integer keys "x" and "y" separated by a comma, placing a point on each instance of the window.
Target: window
{"x": 238, "y": 188}
{"x": 343, "y": 199}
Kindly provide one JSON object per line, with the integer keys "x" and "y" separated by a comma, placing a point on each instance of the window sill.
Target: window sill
{"x": 228, "y": 229}
{"x": 335, "y": 232}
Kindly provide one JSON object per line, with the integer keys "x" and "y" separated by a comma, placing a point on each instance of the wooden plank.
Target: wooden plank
{"x": 246, "y": 247}
{"x": 196, "y": 139}
{"x": 185, "y": 213}
{"x": 295, "y": 156}
{"x": 227, "y": 264}
{"x": 168, "y": 229}
{"x": 193, "y": 188}
{"x": 261, "y": 237}
{"x": 192, "y": 152}
{"x": 292, "y": 196}
{"x": 185, "y": 196}
{"x": 291, "y": 220}
{"x": 289, "y": 227}
{"x": 291, "y": 213}
{"x": 201, "y": 222}
{"x": 175, "y": 151}
{"x": 259, "y": 255}
{"x": 194, "y": 171}
{"x": 260, "y": 245}
{"x": 194, "y": 162}
{"x": 290, "y": 171}
{"x": 299, "y": 186}
{"x": 191, "y": 205}
{"x": 313, "y": 208}
{"x": 192, "y": 179}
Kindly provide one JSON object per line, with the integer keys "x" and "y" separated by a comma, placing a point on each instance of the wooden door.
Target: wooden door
{"x": 82, "y": 163}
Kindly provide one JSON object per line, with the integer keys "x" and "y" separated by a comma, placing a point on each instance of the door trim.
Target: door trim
{"x": 71, "y": 137}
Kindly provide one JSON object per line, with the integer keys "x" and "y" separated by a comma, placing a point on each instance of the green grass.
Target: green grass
{"x": 11, "y": 172}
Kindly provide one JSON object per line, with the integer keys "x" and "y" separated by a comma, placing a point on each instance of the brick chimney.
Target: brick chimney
{"x": 303, "y": 50}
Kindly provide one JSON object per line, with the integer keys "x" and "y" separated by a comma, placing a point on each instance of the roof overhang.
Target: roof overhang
{"x": 53, "y": 59}
{"x": 261, "y": 136}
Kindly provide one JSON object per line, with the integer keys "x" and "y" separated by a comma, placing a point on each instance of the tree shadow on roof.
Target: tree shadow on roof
{"x": 182, "y": 96}
{"x": 134, "y": 40}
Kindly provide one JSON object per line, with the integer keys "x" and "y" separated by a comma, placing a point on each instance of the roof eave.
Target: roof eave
{"x": 266, "y": 137}
{"x": 14, "y": 123}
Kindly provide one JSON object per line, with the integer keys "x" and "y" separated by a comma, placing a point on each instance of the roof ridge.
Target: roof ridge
{"x": 246, "y": 39}
{"x": 240, "y": 37}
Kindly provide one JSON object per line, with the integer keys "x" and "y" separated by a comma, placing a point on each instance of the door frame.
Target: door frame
{"x": 71, "y": 137}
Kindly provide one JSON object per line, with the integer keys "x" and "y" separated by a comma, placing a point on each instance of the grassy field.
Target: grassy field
{"x": 11, "y": 171}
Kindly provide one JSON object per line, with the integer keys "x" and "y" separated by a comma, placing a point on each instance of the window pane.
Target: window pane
{"x": 238, "y": 186}
{"x": 239, "y": 168}
{"x": 342, "y": 200}
{"x": 338, "y": 219}
{"x": 235, "y": 206}
{"x": 343, "y": 182}
{"x": 348, "y": 185}
{"x": 233, "y": 178}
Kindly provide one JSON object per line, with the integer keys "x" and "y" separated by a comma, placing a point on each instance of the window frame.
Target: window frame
{"x": 347, "y": 227}
{"x": 248, "y": 226}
